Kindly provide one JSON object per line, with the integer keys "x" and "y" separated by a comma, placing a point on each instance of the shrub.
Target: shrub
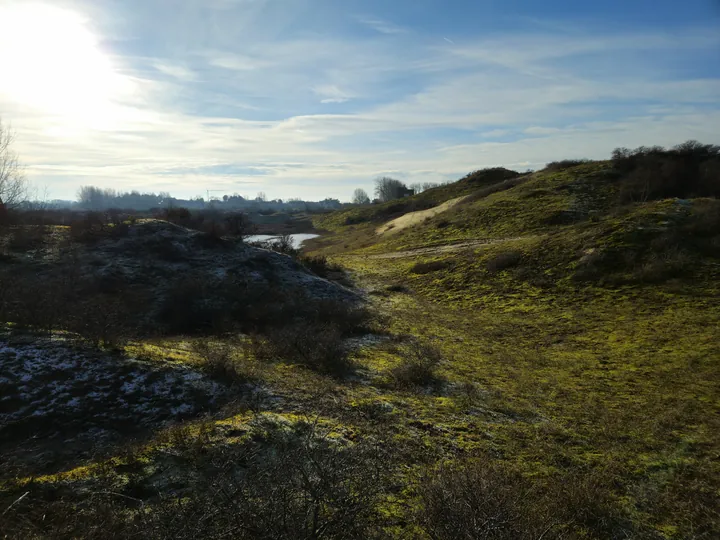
{"x": 428, "y": 267}
{"x": 492, "y": 175}
{"x": 663, "y": 266}
{"x": 349, "y": 318}
{"x": 102, "y": 319}
{"x": 565, "y": 164}
{"x": 282, "y": 244}
{"x": 185, "y": 308}
{"x": 319, "y": 265}
{"x": 688, "y": 170}
{"x": 316, "y": 346}
{"x": 26, "y": 238}
{"x": 88, "y": 228}
{"x": 479, "y": 500}
{"x": 397, "y": 288}
{"x": 285, "y": 482}
{"x": 503, "y": 261}
{"x": 418, "y": 365}
{"x": 482, "y": 499}
{"x": 221, "y": 362}
{"x": 179, "y": 216}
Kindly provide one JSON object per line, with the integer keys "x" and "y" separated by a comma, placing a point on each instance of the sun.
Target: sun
{"x": 52, "y": 61}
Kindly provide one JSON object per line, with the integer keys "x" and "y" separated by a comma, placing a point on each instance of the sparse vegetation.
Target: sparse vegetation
{"x": 418, "y": 365}
{"x": 538, "y": 361}
{"x": 565, "y": 164}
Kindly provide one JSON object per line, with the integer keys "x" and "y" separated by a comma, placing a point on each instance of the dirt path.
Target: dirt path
{"x": 446, "y": 248}
{"x": 413, "y": 218}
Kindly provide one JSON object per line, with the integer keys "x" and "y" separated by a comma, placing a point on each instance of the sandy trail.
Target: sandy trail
{"x": 446, "y": 248}
{"x": 413, "y": 218}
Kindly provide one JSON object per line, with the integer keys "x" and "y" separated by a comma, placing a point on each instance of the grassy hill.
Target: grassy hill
{"x": 536, "y": 357}
{"x": 586, "y": 312}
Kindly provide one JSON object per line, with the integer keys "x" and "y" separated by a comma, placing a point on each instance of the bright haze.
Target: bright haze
{"x": 313, "y": 98}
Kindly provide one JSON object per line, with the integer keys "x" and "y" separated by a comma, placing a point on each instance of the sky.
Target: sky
{"x": 314, "y": 98}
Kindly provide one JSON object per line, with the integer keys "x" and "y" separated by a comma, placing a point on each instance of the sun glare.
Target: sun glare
{"x": 52, "y": 61}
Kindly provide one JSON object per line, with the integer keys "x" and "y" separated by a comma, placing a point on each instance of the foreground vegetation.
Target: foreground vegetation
{"x": 538, "y": 360}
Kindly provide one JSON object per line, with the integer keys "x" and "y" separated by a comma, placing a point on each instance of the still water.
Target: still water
{"x": 297, "y": 239}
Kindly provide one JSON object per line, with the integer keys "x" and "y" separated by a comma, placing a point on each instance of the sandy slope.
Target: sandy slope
{"x": 413, "y": 218}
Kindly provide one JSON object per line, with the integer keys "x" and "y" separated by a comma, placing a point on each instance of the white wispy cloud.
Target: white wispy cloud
{"x": 383, "y": 26}
{"x": 330, "y": 93}
{"x": 235, "y": 62}
{"x": 177, "y": 71}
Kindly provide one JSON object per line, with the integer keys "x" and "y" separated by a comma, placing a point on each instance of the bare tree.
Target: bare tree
{"x": 388, "y": 189}
{"x": 13, "y": 184}
{"x": 419, "y": 188}
{"x": 360, "y": 196}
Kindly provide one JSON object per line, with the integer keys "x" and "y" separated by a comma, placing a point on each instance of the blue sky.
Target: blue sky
{"x": 313, "y": 98}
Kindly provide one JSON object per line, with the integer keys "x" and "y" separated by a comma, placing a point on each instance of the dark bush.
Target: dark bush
{"x": 282, "y": 244}
{"x": 565, "y": 164}
{"x": 221, "y": 361}
{"x": 89, "y": 227}
{"x": 484, "y": 499}
{"x": 688, "y": 170}
{"x": 503, "y": 261}
{"x": 283, "y": 483}
{"x": 179, "y": 216}
{"x": 428, "y": 267}
{"x": 397, "y": 288}
{"x": 479, "y": 500}
{"x": 316, "y": 346}
{"x": 319, "y": 265}
{"x": 418, "y": 365}
{"x": 492, "y": 175}
{"x": 26, "y": 238}
{"x": 188, "y": 306}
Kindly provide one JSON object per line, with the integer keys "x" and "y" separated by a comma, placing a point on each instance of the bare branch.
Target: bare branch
{"x": 13, "y": 184}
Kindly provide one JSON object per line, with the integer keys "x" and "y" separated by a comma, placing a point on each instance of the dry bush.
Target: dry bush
{"x": 503, "y": 261}
{"x": 483, "y": 499}
{"x": 103, "y": 319}
{"x": 555, "y": 166}
{"x": 222, "y": 362}
{"x": 316, "y": 346}
{"x": 283, "y": 483}
{"x": 319, "y": 265}
{"x": 26, "y": 238}
{"x": 665, "y": 265}
{"x": 418, "y": 365}
{"x": 186, "y": 308}
{"x": 428, "y": 267}
{"x": 479, "y": 501}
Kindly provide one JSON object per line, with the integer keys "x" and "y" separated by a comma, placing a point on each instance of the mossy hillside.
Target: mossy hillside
{"x": 606, "y": 388}
{"x": 597, "y": 338}
{"x": 380, "y": 213}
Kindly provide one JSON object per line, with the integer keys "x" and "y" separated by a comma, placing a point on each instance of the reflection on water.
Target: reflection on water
{"x": 297, "y": 239}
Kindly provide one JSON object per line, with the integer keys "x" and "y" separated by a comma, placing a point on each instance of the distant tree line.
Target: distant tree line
{"x": 95, "y": 198}
{"x": 390, "y": 189}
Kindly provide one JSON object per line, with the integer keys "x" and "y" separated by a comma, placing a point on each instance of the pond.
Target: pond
{"x": 297, "y": 239}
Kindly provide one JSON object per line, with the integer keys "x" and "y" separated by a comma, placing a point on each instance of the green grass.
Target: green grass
{"x": 575, "y": 356}
{"x": 596, "y": 347}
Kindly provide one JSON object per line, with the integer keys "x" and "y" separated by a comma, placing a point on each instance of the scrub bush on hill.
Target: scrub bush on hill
{"x": 688, "y": 170}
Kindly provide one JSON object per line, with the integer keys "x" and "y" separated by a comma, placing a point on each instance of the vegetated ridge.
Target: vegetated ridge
{"x": 538, "y": 360}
